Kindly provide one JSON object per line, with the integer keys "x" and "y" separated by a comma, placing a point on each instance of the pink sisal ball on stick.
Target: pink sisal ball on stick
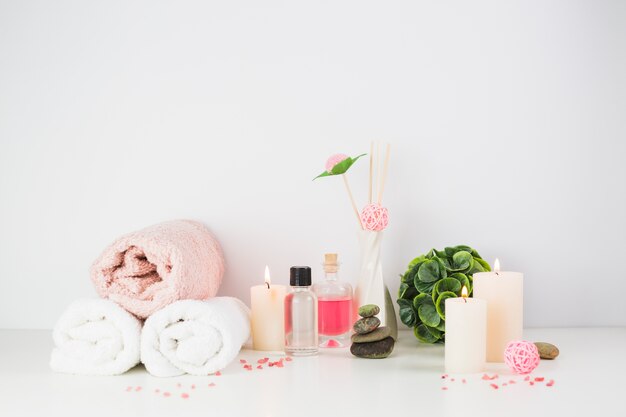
{"x": 374, "y": 217}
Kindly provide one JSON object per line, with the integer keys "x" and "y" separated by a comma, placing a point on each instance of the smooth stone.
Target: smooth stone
{"x": 547, "y": 350}
{"x": 369, "y": 310}
{"x": 374, "y": 336}
{"x": 373, "y": 350}
{"x": 366, "y": 325}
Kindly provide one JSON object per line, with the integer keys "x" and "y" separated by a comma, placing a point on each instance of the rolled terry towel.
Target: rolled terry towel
{"x": 194, "y": 337}
{"x": 95, "y": 337}
{"x": 146, "y": 270}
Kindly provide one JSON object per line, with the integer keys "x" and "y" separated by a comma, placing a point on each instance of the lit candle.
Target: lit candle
{"x": 267, "y": 315}
{"x": 466, "y": 330}
{"x": 504, "y": 293}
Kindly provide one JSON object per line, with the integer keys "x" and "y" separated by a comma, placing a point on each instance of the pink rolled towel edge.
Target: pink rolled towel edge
{"x": 186, "y": 262}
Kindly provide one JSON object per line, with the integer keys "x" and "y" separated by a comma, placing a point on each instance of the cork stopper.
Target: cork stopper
{"x": 330, "y": 262}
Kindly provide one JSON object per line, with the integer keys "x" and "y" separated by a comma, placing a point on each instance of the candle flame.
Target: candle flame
{"x": 496, "y": 266}
{"x": 268, "y": 281}
{"x": 464, "y": 292}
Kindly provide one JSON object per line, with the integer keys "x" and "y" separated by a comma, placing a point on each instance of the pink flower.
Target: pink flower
{"x": 334, "y": 160}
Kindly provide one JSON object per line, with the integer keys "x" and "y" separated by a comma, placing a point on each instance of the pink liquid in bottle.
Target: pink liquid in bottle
{"x": 334, "y": 316}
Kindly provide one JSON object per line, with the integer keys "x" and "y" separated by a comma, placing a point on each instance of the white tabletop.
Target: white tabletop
{"x": 588, "y": 380}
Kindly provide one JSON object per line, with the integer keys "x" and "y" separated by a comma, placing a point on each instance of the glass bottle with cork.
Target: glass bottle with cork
{"x": 334, "y": 300}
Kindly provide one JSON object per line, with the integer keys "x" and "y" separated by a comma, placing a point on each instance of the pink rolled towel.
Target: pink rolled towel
{"x": 146, "y": 270}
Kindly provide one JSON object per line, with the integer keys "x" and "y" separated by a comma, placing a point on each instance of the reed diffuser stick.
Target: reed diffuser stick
{"x": 371, "y": 169}
{"x": 356, "y": 210}
{"x": 384, "y": 176}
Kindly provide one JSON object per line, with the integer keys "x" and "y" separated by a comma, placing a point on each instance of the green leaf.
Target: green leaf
{"x": 416, "y": 261}
{"x": 482, "y": 263}
{"x": 428, "y": 314}
{"x": 407, "y": 291}
{"x": 424, "y": 287}
{"x": 428, "y": 272}
{"x": 340, "y": 168}
{"x": 421, "y": 299}
{"x": 450, "y": 251}
{"x": 440, "y": 305}
{"x": 407, "y": 313}
{"x": 446, "y": 284}
{"x": 442, "y": 326}
{"x": 463, "y": 280}
{"x": 423, "y": 335}
{"x": 435, "y": 332}
{"x": 461, "y": 261}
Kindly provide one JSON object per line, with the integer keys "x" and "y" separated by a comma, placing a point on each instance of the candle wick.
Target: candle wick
{"x": 498, "y": 273}
{"x": 465, "y": 299}
{"x": 268, "y": 285}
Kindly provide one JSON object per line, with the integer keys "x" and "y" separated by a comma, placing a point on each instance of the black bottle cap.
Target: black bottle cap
{"x": 300, "y": 276}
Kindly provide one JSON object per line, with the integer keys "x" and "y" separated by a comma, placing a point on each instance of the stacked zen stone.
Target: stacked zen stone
{"x": 371, "y": 341}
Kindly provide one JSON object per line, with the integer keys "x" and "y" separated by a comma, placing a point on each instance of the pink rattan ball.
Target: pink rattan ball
{"x": 375, "y": 217}
{"x": 521, "y": 356}
{"x": 334, "y": 160}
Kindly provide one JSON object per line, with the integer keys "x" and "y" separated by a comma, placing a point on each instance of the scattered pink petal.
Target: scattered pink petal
{"x": 444, "y": 376}
{"x": 259, "y": 367}
{"x": 242, "y": 361}
{"x": 444, "y": 388}
{"x": 166, "y": 394}
{"x": 193, "y": 386}
{"x": 129, "y": 389}
{"x": 184, "y": 395}
{"x": 138, "y": 389}
{"x": 452, "y": 379}
{"x": 539, "y": 379}
{"x": 512, "y": 382}
{"x": 262, "y": 361}
{"x": 212, "y": 384}
{"x": 527, "y": 378}
{"x": 531, "y": 383}
{"x": 288, "y": 359}
{"x": 156, "y": 391}
{"x": 218, "y": 373}
{"x": 279, "y": 364}
{"x": 504, "y": 384}
{"x": 550, "y": 383}
{"x": 178, "y": 385}
{"x": 489, "y": 378}
{"x": 464, "y": 381}
{"x": 494, "y": 386}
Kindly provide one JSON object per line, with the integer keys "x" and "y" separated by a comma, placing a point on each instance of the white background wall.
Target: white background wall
{"x": 507, "y": 121}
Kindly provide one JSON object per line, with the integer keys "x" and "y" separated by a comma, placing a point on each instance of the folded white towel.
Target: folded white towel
{"x": 194, "y": 337}
{"x": 95, "y": 337}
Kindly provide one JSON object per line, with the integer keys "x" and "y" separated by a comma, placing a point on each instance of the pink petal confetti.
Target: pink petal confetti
{"x": 444, "y": 388}
{"x": 262, "y": 361}
{"x": 259, "y": 367}
{"x": 531, "y": 383}
{"x": 156, "y": 391}
{"x": 527, "y": 378}
{"x": 452, "y": 379}
{"x": 489, "y": 378}
{"x": 242, "y": 361}
{"x": 464, "y": 381}
{"x": 138, "y": 389}
{"x": 184, "y": 395}
{"x": 166, "y": 394}
{"x": 512, "y": 382}
{"x": 218, "y": 373}
{"x": 193, "y": 386}
{"x": 539, "y": 379}
{"x": 504, "y": 384}
{"x": 129, "y": 389}
{"x": 494, "y": 386}
{"x": 247, "y": 367}
{"x": 178, "y": 385}
{"x": 288, "y": 359}
{"x": 550, "y": 383}
{"x": 212, "y": 384}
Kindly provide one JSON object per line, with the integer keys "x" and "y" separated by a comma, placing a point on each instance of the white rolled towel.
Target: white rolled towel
{"x": 194, "y": 337}
{"x": 95, "y": 337}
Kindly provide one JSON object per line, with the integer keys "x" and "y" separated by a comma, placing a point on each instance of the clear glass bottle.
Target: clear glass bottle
{"x": 334, "y": 301}
{"x": 301, "y": 314}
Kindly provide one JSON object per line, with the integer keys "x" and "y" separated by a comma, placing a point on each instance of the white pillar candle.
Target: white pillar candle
{"x": 267, "y": 305}
{"x": 504, "y": 293}
{"x": 466, "y": 330}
